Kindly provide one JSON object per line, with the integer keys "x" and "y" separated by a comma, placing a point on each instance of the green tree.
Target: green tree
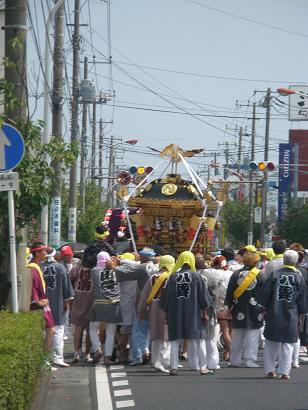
{"x": 235, "y": 220}
{"x": 294, "y": 226}
{"x": 88, "y": 219}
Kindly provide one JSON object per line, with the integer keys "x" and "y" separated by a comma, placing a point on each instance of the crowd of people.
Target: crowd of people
{"x": 136, "y": 308}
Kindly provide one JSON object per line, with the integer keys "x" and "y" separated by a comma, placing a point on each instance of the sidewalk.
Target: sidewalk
{"x": 71, "y": 387}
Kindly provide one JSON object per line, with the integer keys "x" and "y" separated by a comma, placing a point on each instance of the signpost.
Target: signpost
{"x": 12, "y": 149}
{"x": 9, "y": 181}
{"x": 285, "y": 179}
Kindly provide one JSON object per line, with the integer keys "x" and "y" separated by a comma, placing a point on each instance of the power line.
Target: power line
{"x": 187, "y": 73}
{"x": 142, "y": 108}
{"x": 163, "y": 98}
{"x": 151, "y": 76}
{"x": 249, "y": 20}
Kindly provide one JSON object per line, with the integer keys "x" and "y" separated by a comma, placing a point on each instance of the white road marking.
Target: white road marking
{"x": 119, "y": 393}
{"x": 118, "y": 367}
{"x": 104, "y": 401}
{"x": 118, "y": 383}
{"x": 114, "y": 375}
{"x": 125, "y": 403}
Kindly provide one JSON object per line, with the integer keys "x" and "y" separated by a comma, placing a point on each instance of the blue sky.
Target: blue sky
{"x": 191, "y": 37}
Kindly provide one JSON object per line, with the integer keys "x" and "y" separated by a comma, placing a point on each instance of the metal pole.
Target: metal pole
{"x": 226, "y": 173}
{"x": 251, "y": 186}
{"x": 266, "y": 151}
{"x": 215, "y": 162}
{"x": 12, "y": 241}
{"x": 110, "y": 173}
{"x": 57, "y": 103}
{"x": 72, "y": 217}
{"x": 83, "y": 139}
{"x": 296, "y": 164}
{"x": 93, "y": 140}
{"x": 47, "y": 104}
{"x": 239, "y": 154}
{"x": 16, "y": 73}
{"x": 100, "y": 158}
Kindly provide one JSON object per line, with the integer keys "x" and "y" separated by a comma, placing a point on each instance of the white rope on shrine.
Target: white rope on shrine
{"x": 204, "y": 185}
{"x": 199, "y": 179}
{"x": 188, "y": 167}
{"x": 218, "y": 208}
{"x": 130, "y": 226}
{"x": 198, "y": 229}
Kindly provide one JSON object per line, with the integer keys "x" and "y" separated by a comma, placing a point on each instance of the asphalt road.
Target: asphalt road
{"x": 229, "y": 388}
{"x": 86, "y": 387}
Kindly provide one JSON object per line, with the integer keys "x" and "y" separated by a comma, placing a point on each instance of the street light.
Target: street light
{"x": 288, "y": 91}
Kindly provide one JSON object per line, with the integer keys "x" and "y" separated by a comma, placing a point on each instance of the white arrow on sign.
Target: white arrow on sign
{"x": 4, "y": 141}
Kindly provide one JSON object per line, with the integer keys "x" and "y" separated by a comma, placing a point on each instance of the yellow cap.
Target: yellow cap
{"x": 262, "y": 252}
{"x": 250, "y": 248}
{"x": 127, "y": 256}
{"x": 270, "y": 254}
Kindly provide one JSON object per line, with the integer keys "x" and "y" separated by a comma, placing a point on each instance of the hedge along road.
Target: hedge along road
{"x": 21, "y": 358}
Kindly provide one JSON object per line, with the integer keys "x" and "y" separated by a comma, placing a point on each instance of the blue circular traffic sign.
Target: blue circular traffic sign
{"x": 12, "y": 147}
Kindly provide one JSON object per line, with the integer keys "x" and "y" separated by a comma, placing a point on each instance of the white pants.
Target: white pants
{"x": 93, "y": 331}
{"x": 67, "y": 322}
{"x": 109, "y": 342}
{"x": 244, "y": 345}
{"x": 271, "y": 352}
{"x": 296, "y": 350}
{"x": 196, "y": 353}
{"x": 58, "y": 343}
{"x": 212, "y": 354}
{"x": 174, "y": 354}
{"x": 160, "y": 353}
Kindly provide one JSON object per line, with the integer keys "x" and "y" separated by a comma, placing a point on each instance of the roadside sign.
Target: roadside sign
{"x": 12, "y": 147}
{"x": 9, "y": 181}
{"x": 258, "y": 215}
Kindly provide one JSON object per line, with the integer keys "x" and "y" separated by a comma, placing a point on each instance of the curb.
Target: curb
{"x": 41, "y": 391}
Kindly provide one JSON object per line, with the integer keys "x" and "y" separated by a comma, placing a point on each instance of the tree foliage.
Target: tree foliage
{"x": 87, "y": 219}
{"x": 235, "y": 220}
{"x": 294, "y": 225}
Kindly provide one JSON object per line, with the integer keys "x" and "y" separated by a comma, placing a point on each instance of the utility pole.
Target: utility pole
{"x": 227, "y": 156}
{"x": 239, "y": 154}
{"x": 110, "y": 173}
{"x": 215, "y": 162}
{"x": 16, "y": 27}
{"x": 83, "y": 140}
{"x": 251, "y": 186}
{"x": 100, "y": 158}
{"x": 93, "y": 140}
{"x": 267, "y": 105}
{"x": 72, "y": 214}
{"x": 57, "y": 104}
